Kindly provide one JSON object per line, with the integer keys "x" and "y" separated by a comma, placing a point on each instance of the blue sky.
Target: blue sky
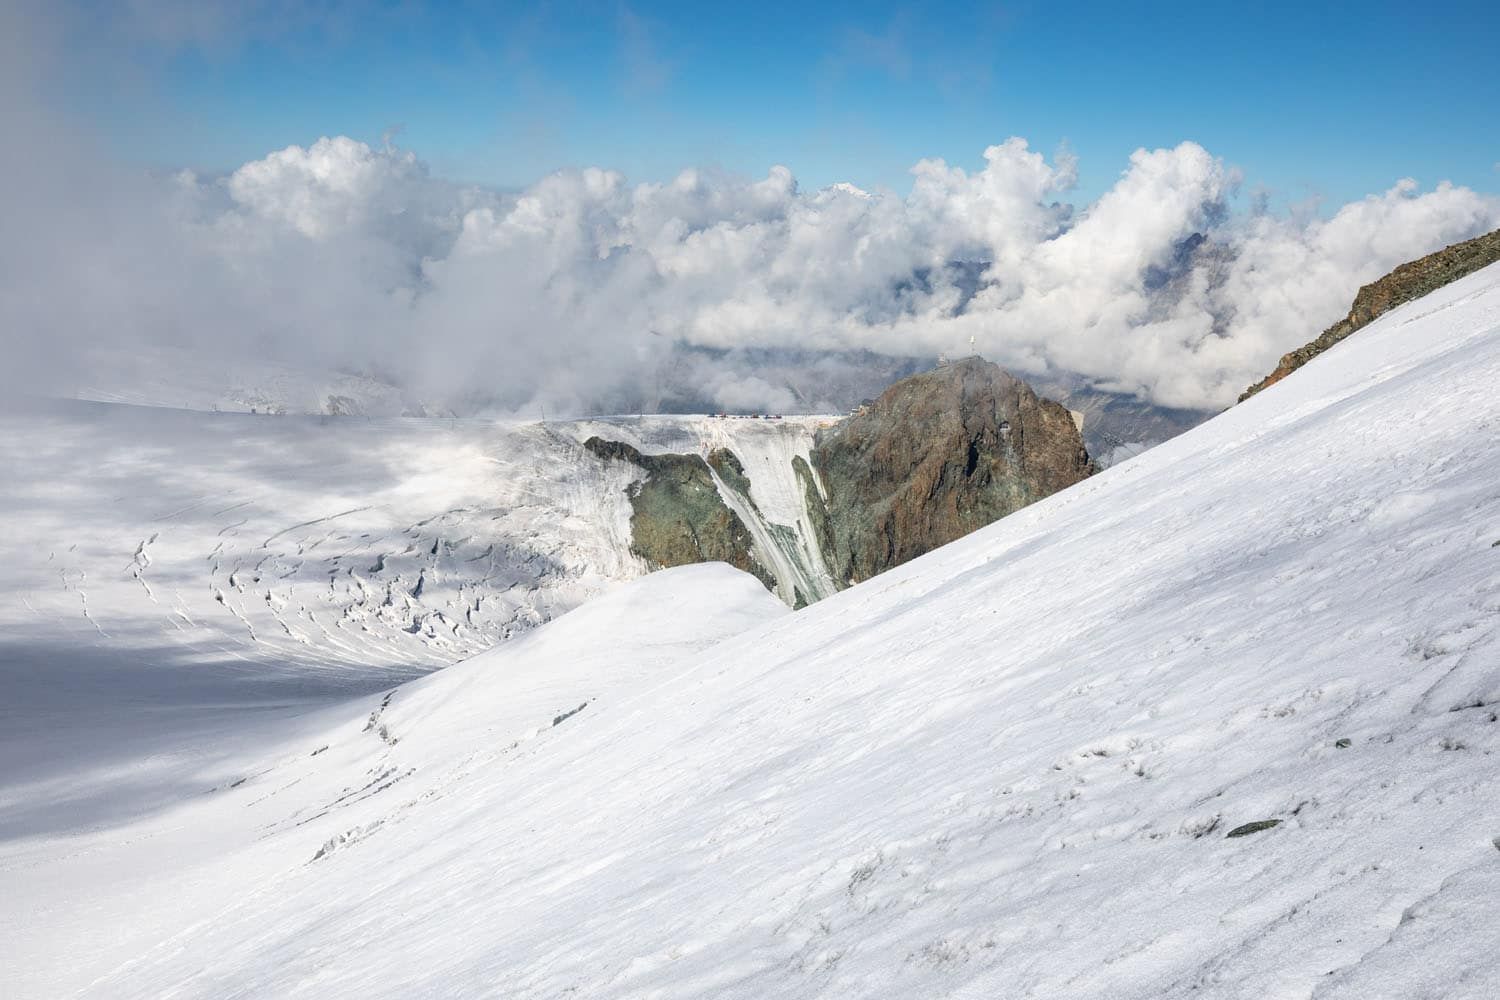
{"x": 1307, "y": 101}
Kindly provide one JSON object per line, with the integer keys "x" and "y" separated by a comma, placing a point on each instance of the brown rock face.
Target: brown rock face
{"x": 935, "y": 457}
{"x": 1407, "y": 282}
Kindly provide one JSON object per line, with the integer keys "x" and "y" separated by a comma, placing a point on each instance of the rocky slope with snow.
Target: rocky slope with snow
{"x": 1011, "y": 767}
{"x": 678, "y": 514}
{"x": 939, "y": 454}
{"x": 719, "y": 489}
{"x": 1408, "y": 282}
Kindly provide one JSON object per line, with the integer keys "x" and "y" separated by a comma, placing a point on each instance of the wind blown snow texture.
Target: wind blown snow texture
{"x": 1004, "y": 769}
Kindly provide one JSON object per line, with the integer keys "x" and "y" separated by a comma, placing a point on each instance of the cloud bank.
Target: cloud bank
{"x": 585, "y": 291}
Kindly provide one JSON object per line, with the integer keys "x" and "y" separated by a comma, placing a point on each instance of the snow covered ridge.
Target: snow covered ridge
{"x": 1007, "y": 768}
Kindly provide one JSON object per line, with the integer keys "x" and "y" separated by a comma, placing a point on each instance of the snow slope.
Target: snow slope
{"x": 1006, "y": 769}
{"x": 258, "y": 785}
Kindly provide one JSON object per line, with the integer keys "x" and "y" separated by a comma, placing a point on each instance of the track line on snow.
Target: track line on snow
{"x": 316, "y": 520}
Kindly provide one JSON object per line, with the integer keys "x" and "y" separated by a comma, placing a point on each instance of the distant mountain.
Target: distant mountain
{"x": 691, "y": 380}
{"x": 1116, "y": 425}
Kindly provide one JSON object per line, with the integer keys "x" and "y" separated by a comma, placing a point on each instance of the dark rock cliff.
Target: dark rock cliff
{"x": 1407, "y": 282}
{"x": 677, "y": 516}
{"x": 937, "y": 456}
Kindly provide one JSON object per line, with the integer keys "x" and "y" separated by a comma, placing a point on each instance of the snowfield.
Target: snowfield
{"x": 1007, "y": 769}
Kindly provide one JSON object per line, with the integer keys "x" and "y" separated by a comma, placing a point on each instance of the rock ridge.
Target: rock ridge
{"x": 1410, "y": 281}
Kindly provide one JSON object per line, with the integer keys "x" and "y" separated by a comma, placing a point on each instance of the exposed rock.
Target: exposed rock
{"x": 1256, "y": 827}
{"x": 1407, "y": 282}
{"x": 615, "y": 450}
{"x": 562, "y": 717}
{"x": 677, "y": 515}
{"x": 730, "y": 469}
{"x": 342, "y": 406}
{"x": 937, "y": 456}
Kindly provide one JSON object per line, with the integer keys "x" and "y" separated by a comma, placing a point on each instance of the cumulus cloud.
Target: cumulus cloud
{"x": 585, "y": 291}
{"x": 582, "y": 290}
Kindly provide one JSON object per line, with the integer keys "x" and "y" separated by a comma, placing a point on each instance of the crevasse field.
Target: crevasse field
{"x": 1007, "y": 769}
{"x": 167, "y": 569}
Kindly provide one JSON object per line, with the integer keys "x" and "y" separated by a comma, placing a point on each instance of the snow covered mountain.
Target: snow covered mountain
{"x": 1220, "y": 721}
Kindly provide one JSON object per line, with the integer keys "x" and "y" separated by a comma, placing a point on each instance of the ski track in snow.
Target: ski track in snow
{"x": 1007, "y": 769}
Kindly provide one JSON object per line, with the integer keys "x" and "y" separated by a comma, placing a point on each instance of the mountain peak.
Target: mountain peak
{"x": 938, "y": 455}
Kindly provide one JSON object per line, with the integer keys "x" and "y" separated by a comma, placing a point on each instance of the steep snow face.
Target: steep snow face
{"x": 1008, "y": 768}
{"x": 779, "y": 515}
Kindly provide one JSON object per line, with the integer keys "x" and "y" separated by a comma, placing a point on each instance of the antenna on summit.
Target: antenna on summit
{"x": 971, "y": 345}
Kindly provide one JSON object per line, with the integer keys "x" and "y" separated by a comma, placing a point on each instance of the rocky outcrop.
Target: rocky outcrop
{"x": 937, "y": 456}
{"x": 342, "y": 406}
{"x": 1407, "y": 282}
{"x": 677, "y": 514}
{"x": 730, "y": 469}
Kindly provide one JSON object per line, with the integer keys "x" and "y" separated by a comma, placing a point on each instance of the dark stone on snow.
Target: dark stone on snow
{"x": 1256, "y": 827}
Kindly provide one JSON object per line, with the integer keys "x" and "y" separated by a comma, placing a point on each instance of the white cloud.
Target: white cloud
{"x": 576, "y": 289}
